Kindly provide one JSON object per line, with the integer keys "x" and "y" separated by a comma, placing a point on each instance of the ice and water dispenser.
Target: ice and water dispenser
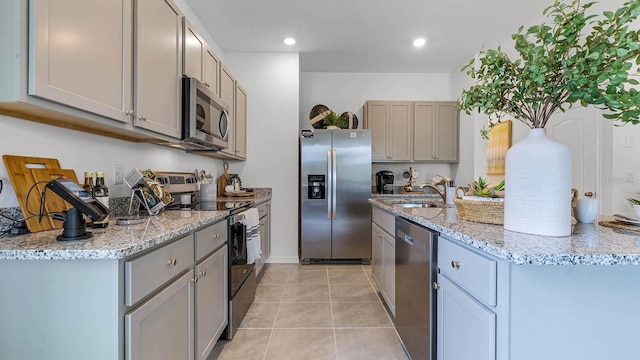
{"x": 316, "y": 186}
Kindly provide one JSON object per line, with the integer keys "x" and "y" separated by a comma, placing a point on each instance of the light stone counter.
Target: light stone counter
{"x": 116, "y": 242}
{"x": 589, "y": 244}
{"x": 113, "y": 242}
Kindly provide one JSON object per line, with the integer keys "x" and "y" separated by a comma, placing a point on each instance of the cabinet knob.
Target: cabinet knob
{"x": 172, "y": 262}
{"x": 435, "y": 285}
{"x": 588, "y": 194}
{"x": 194, "y": 280}
{"x": 203, "y": 273}
{"x": 129, "y": 113}
{"x": 455, "y": 264}
{"x": 217, "y": 236}
{"x": 206, "y": 84}
{"x": 142, "y": 117}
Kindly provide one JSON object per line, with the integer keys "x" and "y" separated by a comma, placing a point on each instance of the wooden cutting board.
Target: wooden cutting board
{"x": 22, "y": 176}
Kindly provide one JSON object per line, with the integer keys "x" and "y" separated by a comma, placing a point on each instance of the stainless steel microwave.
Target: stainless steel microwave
{"x": 205, "y": 117}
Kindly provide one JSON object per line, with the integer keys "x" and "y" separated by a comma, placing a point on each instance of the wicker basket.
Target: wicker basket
{"x": 483, "y": 211}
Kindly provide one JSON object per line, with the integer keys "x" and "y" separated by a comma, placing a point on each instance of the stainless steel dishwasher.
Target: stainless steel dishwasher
{"x": 416, "y": 270}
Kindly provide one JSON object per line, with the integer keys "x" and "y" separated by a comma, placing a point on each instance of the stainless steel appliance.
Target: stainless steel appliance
{"x": 335, "y": 185}
{"x": 384, "y": 182}
{"x": 242, "y": 280}
{"x": 205, "y": 118}
{"x": 416, "y": 269}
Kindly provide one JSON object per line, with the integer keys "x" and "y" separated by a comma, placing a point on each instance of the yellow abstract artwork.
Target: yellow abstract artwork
{"x": 499, "y": 143}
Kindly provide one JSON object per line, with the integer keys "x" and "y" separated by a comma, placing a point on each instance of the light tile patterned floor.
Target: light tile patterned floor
{"x": 314, "y": 312}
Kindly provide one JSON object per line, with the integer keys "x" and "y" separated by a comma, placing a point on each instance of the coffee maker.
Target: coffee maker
{"x": 384, "y": 182}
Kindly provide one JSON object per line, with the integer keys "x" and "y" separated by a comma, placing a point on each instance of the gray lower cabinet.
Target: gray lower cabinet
{"x": 211, "y": 304}
{"x": 383, "y": 252}
{"x": 265, "y": 235}
{"x": 466, "y": 328}
{"x": 161, "y": 328}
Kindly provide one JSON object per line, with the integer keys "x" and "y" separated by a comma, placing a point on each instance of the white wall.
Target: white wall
{"x": 87, "y": 152}
{"x": 271, "y": 81}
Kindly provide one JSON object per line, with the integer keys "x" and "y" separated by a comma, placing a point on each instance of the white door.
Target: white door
{"x": 577, "y": 128}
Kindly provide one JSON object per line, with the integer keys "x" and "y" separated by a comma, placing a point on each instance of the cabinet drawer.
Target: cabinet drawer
{"x": 148, "y": 272}
{"x": 473, "y": 272}
{"x": 384, "y": 219}
{"x": 263, "y": 209}
{"x": 210, "y": 238}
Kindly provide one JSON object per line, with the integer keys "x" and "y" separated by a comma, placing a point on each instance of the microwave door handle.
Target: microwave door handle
{"x": 224, "y": 114}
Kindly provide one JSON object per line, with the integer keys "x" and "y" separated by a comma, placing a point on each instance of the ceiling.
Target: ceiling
{"x": 367, "y": 35}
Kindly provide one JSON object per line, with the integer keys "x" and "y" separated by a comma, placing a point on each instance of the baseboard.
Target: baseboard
{"x": 283, "y": 260}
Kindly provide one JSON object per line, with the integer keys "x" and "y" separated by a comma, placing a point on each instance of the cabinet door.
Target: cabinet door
{"x": 401, "y": 130}
{"x": 162, "y": 327}
{"x": 241, "y": 122}
{"x": 158, "y": 66}
{"x": 227, "y": 94}
{"x": 466, "y": 329}
{"x": 268, "y": 232}
{"x": 193, "y": 50}
{"x": 376, "y": 255}
{"x": 211, "y": 303}
{"x": 424, "y": 126}
{"x": 446, "y": 131}
{"x": 377, "y": 121}
{"x": 211, "y": 71}
{"x": 74, "y": 62}
{"x": 389, "y": 272}
{"x": 263, "y": 246}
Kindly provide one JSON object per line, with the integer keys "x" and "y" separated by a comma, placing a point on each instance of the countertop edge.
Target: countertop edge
{"x": 515, "y": 258}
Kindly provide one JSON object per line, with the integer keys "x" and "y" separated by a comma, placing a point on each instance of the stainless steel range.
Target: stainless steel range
{"x": 241, "y": 278}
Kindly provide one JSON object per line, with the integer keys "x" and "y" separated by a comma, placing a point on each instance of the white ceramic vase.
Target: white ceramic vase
{"x": 538, "y": 186}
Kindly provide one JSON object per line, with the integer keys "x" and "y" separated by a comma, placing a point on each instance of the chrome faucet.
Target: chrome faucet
{"x": 442, "y": 193}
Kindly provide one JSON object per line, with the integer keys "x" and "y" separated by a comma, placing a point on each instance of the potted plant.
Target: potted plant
{"x": 333, "y": 121}
{"x": 579, "y": 58}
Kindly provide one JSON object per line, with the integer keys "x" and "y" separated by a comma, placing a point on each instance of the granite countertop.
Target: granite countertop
{"x": 115, "y": 241}
{"x": 589, "y": 244}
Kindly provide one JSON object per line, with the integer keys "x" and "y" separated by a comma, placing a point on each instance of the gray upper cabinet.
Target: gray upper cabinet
{"x": 158, "y": 66}
{"x": 212, "y": 71}
{"x": 406, "y": 131}
{"x": 227, "y": 94}
{"x": 435, "y": 131}
{"x": 74, "y": 62}
{"x": 193, "y": 52}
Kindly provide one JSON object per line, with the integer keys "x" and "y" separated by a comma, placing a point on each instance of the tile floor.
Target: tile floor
{"x": 314, "y": 312}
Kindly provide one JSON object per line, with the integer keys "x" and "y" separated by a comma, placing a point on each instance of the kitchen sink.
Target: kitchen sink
{"x": 421, "y": 205}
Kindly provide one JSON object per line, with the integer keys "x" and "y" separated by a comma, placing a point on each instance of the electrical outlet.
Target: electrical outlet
{"x": 117, "y": 174}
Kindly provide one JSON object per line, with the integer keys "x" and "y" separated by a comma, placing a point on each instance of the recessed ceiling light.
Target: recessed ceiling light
{"x": 290, "y": 41}
{"x": 419, "y": 42}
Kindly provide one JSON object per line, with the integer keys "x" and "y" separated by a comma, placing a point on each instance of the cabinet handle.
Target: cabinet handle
{"x": 206, "y": 84}
{"x": 142, "y": 117}
{"x": 455, "y": 264}
{"x": 129, "y": 113}
{"x": 435, "y": 285}
{"x": 172, "y": 262}
{"x": 203, "y": 273}
{"x": 194, "y": 280}
{"x": 379, "y": 236}
{"x": 588, "y": 194}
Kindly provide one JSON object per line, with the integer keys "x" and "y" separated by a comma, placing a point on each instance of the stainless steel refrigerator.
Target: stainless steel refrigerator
{"x": 335, "y": 185}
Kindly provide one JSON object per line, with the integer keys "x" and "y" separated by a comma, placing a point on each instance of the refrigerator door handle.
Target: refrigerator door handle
{"x": 334, "y": 183}
{"x": 329, "y": 183}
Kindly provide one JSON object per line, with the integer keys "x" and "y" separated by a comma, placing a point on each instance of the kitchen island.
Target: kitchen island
{"x": 506, "y": 295}
{"x": 152, "y": 290}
